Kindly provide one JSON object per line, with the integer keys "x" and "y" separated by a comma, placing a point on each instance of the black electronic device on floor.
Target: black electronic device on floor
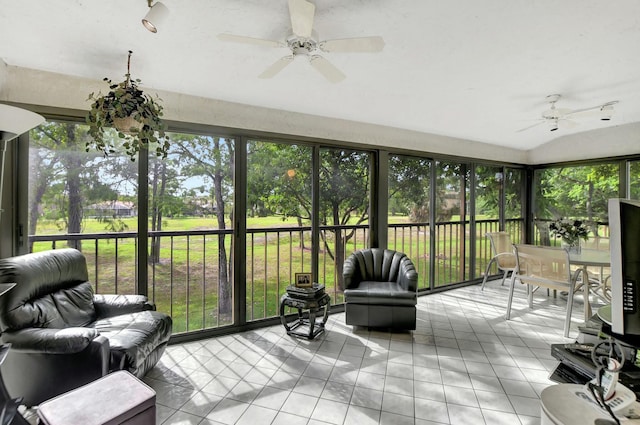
{"x": 576, "y": 366}
{"x": 575, "y": 359}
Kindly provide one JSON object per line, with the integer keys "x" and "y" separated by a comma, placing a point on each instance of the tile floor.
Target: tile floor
{"x": 464, "y": 364}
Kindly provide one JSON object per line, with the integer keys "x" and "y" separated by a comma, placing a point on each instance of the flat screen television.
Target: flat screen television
{"x": 624, "y": 227}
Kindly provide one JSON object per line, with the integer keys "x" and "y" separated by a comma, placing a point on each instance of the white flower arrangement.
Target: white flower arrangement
{"x": 570, "y": 231}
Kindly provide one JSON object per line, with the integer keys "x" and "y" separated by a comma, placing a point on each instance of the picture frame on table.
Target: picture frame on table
{"x": 303, "y": 280}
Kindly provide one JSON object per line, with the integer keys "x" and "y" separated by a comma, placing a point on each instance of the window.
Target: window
{"x": 278, "y": 222}
{"x": 409, "y": 211}
{"x": 76, "y": 196}
{"x": 576, "y": 192}
{"x": 489, "y": 191}
{"x": 185, "y": 230}
{"x": 634, "y": 179}
{"x": 191, "y": 196}
{"x": 514, "y": 202}
{"x": 344, "y": 185}
{"x": 452, "y": 222}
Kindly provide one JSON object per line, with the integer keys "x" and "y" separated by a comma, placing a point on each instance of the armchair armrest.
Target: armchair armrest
{"x": 351, "y": 273}
{"x": 51, "y": 341}
{"x": 114, "y": 305}
{"x": 506, "y": 260}
{"x": 408, "y": 277}
{"x": 38, "y": 376}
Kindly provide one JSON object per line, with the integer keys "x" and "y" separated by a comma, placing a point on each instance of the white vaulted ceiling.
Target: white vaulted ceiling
{"x": 470, "y": 69}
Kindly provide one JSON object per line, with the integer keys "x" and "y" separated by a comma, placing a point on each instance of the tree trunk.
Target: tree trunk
{"x": 543, "y": 230}
{"x": 301, "y": 233}
{"x": 34, "y": 208}
{"x": 225, "y": 290}
{"x": 159, "y": 173}
{"x": 338, "y": 259}
{"x": 73, "y": 166}
{"x": 462, "y": 234}
{"x": 590, "y": 208}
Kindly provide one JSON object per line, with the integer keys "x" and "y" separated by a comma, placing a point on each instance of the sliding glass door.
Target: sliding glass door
{"x": 279, "y": 208}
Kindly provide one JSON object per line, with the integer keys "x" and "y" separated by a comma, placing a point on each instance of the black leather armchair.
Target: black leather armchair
{"x": 62, "y": 335}
{"x": 380, "y": 289}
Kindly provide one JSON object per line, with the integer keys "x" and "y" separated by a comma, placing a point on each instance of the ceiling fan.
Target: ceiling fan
{"x": 554, "y": 116}
{"x": 304, "y": 42}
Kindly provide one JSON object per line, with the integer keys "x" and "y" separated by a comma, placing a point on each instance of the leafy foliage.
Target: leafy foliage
{"x": 125, "y": 100}
{"x": 576, "y": 191}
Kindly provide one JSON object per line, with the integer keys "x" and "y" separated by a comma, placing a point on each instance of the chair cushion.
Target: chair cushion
{"x": 132, "y": 337}
{"x": 70, "y": 307}
{"x": 51, "y": 292}
{"x": 380, "y": 293}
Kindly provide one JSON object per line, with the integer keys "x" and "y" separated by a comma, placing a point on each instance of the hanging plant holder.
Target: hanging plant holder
{"x": 135, "y": 115}
{"x": 127, "y": 125}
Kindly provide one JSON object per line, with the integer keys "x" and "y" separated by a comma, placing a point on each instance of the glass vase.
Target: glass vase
{"x": 572, "y": 248}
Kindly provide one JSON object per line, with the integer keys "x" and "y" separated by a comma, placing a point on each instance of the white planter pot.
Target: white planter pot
{"x": 127, "y": 125}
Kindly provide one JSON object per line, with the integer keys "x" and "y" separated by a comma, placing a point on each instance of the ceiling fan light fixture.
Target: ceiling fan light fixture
{"x": 552, "y": 115}
{"x": 155, "y": 17}
{"x": 606, "y": 112}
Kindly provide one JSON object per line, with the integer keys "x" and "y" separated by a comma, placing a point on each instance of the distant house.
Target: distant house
{"x": 111, "y": 209}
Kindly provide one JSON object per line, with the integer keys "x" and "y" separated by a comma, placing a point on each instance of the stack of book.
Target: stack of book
{"x": 316, "y": 291}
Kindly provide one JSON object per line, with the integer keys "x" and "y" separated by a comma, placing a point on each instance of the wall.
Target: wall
{"x": 3, "y": 74}
{"x": 35, "y": 87}
{"x": 600, "y": 143}
{"x": 29, "y": 86}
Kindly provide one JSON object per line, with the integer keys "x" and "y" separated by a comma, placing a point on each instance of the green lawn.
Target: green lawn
{"x": 186, "y": 281}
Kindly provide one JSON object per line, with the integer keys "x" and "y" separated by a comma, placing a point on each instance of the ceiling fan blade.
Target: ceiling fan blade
{"x": 568, "y": 123}
{"x": 353, "y": 45}
{"x": 583, "y": 113}
{"x": 250, "y": 40}
{"x": 301, "y": 12}
{"x": 554, "y": 113}
{"x": 531, "y": 126}
{"x": 594, "y": 109}
{"x": 328, "y": 71}
{"x": 276, "y": 67}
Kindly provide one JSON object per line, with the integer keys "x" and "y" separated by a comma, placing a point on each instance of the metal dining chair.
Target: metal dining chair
{"x": 600, "y": 286}
{"x": 546, "y": 267}
{"x": 503, "y": 255}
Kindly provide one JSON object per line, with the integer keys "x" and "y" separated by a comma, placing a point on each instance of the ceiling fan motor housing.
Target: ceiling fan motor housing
{"x": 302, "y": 45}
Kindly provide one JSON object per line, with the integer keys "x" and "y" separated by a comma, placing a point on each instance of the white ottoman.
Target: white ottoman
{"x": 114, "y": 399}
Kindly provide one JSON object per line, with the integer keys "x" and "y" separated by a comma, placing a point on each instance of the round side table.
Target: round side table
{"x": 313, "y": 303}
{"x": 569, "y": 404}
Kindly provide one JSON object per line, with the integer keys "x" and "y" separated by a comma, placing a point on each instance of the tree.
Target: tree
{"x": 65, "y": 162}
{"x": 634, "y": 178}
{"x": 574, "y": 192}
{"x": 344, "y": 199}
{"x": 65, "y": 179}
{"x": 409, "y": 183}
{"x": 280, "y": 179}
{"x": 42, "y": 174}
{"x": 165, "y": 181}
{"x": 212, "y": 159}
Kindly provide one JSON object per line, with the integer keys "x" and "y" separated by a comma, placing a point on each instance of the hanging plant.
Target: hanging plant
{"x": 135, "y": 115}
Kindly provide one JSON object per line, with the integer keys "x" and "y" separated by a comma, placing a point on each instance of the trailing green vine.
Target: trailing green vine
{"x": 126, "y": 100}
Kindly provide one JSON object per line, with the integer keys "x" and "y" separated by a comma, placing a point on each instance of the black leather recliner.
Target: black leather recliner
{"x": 62, "y": 335}
{"x": 380, "y": 289}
